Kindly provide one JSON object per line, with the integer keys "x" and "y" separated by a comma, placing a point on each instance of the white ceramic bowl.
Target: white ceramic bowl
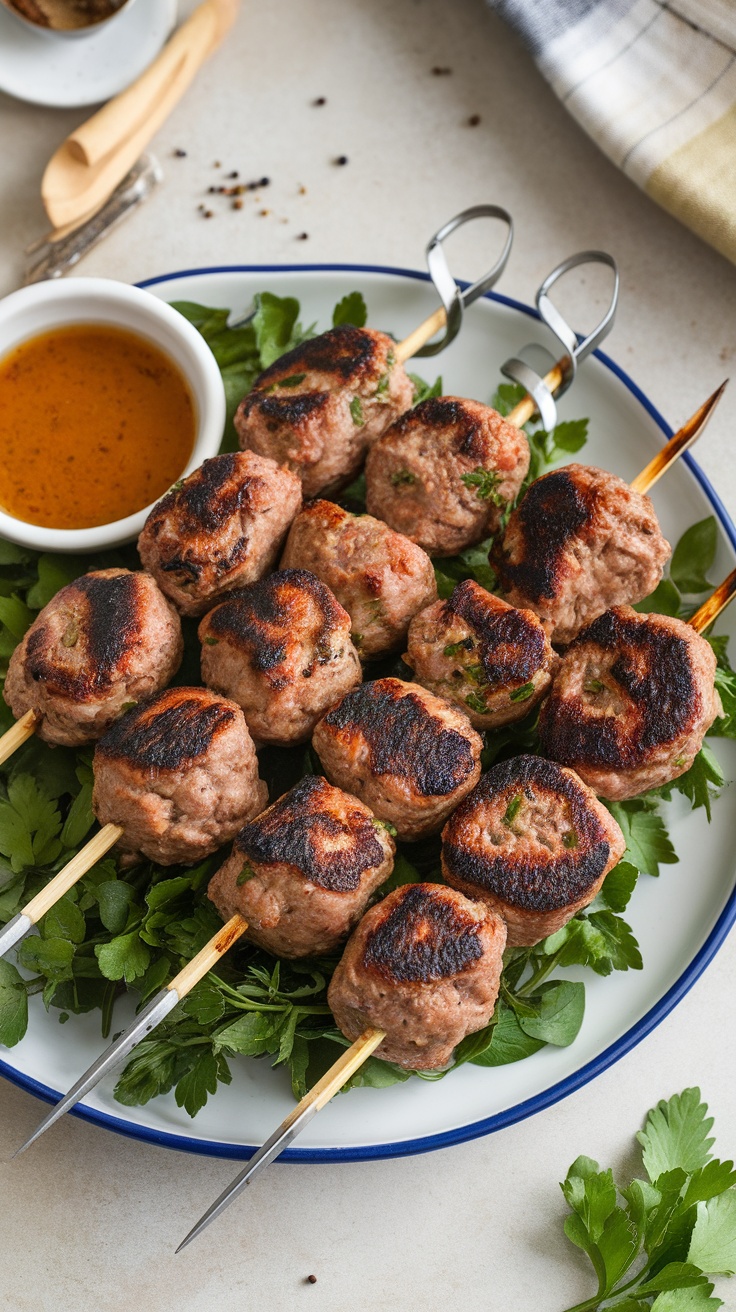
{"x": 48, "y": 305}
{"x": 88, "y": 30}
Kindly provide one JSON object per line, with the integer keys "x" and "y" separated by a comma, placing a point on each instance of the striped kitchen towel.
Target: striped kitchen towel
{"x": 653, "y": 82}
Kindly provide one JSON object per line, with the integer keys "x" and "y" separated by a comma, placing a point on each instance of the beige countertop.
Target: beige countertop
{"x": 89, "y": 1219}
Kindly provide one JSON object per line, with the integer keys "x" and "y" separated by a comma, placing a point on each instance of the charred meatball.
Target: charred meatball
{"x": 223, "y": 526}
{"x": 101, "y": 644}
{"x": 318, "y": 407}
{"x": 492, "y": 660}
{"x": 410, "y": 756}
{"x": 444, "y": 473}
{"x": 631, "y": 702}
{"x": 281, "y": 649}
{"x": 302, "y": 872}
{"x": 380, "y": 577}
{"x": 533, "y": 842}
{"x": 580, "y": 541}
{"x": 179, "y": 774}
{"x": 424, "y": 965}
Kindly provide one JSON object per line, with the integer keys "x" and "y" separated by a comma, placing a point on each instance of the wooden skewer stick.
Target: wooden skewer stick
{"x": 711, "y": 609}
{"x": 317, "y": 1098}
{"x": 678, "y": 443}
{"x": 31, "y": 913}
{"x": 152, "y": 1015}
{"x": 420, "y": 336}
{"x": 17, "y": 735}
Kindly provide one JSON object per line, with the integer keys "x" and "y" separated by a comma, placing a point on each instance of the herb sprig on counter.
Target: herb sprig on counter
{"x": 134, "y": 928}
{"x": 656, "y": 1241}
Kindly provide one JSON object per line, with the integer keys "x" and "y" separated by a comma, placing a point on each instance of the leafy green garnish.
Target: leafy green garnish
{"x": 476, "y": 703}
{"x": 356, "y": 410}
{"x": 485, "y": 482}
{"x": 522, "y": 694}
{"x": 292, "y": 381}
{"x": 512, "y": 810}
{"x": 654, "y": 1242}
{"x": 424, "y": 391}
{"x": 351, "y": 309}
{"x": 693, "y": 556}
{"x": 403, "y": 478}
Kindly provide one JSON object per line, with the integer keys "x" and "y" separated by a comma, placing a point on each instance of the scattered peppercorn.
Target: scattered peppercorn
{"x": 303, "y": 236}
{"x": 341, "y": 159}
{"x": 265, "y": 182}
{"x": 302, "y": 191}
{"x": 180, "y": 154}
{"x": 217, "y": 164}
{"x": 263, "y": 213}
{"x": 237, "y": 204}
{"x": 311, "y": 1280}
{"x": 440, "y": 71}
{"x": 474, "y": 120}
{"x": 234, "y": 174}
{"x": 321, "y": 100}
{"x": 208, "y": 214}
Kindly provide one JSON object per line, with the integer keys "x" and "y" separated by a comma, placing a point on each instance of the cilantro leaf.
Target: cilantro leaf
{"x": 275, "y": 325}
{"x": 687, "y": 1300}
{"x": 13, "y": 1005}
{"x": 506, "y": 397}
{"x": 713, "y": 1242}
{"x": 506, "y": 1041}
{"x": 424, "y": 391}
{"x": 124, "y": 957}
{"x": 559, "y": 1010}
{"x": 29, "y": 824}
{"x": 676, "y": 1135}
{"x": 648, "y": 844}
{"x": 700, "y": 783}
{"x": 193, "y": 1089}
{"x": 618, "y": 886}
{"x": 351, "y": 309}
{"x": 693, "y": 556}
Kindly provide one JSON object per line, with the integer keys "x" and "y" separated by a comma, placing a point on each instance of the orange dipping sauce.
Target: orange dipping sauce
{"x": 95, "y": 423}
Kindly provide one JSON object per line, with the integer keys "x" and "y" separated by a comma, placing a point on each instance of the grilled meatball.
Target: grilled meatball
{"x": 302, "y": 872}
{"x": 317, "y": 408}
{"x": 380, "y": 577}
{"x": 424, "y": 965}
{"x": 631, "y": 702}
{"x": 492, "y": 660}
{"x": 444, "y": 473}
{"x": 410, "y": 756}
{"x": 580, "y": 541}
{"x": 101, "y": 644}
{"x": 533, "y": 842}
{"x": 221, "y": 527}
{"x": 179, "y": 774}
{"x": 281, "y": 649}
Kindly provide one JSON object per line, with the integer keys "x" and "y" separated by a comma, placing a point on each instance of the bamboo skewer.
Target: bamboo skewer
{"x": 718, "y": 600}
{"x": 292, "y": 1125}
{"x": 678, "y": 443}
{"x": 31, "y": 913}
{"x": 152, "y": 1015}
{"x": 17, "y": 735}
{"x": 420, "y": 336}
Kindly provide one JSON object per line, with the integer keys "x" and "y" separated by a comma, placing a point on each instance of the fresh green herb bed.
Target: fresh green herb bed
{"x": 135, "y": 928}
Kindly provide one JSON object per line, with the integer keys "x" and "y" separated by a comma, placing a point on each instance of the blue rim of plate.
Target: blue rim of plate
{"x": 586, "y": 1073}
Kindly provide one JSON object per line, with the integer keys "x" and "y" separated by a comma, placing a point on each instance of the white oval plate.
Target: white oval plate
{"x": 680, "y": 919}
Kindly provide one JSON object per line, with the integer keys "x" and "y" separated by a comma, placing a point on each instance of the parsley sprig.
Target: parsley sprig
{"x": 656, "y": 1241}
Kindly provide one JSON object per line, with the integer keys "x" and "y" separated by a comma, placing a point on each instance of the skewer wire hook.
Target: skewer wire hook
{"x": 574, "y": 348}
{"x": 453, "y": 296}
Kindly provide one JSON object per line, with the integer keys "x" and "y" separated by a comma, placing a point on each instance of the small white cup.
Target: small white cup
{"x": 47, "y": 305}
